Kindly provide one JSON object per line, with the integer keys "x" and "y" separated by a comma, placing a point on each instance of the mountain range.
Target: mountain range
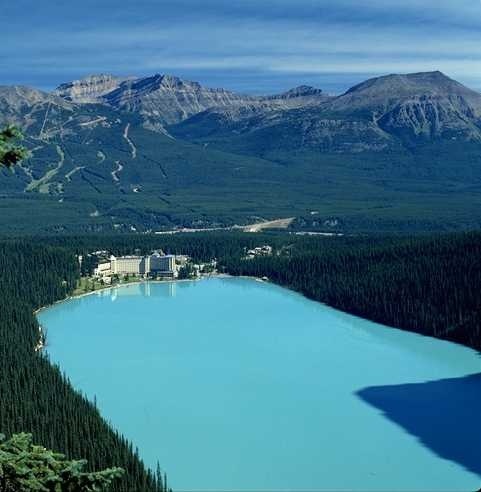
{"x": 398, "y": 152}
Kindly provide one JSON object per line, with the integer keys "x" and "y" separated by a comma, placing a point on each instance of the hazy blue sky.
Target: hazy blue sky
{"x": 247, "y": 45}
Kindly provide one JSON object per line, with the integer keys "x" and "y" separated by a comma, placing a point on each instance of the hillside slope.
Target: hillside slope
{"x": 381, "y": 113}
{"x": 394, "y": 153}
{"x": 165, "y": 99}
{"x": 97, "y": 167}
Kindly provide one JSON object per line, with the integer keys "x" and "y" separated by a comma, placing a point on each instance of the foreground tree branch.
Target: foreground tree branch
{"x": 10, "y": 152}
{"x": 25, "y": 466}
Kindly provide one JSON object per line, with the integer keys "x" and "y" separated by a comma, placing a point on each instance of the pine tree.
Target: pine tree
{"x": 26, "y": 467}
{"x": 10, "y": 151}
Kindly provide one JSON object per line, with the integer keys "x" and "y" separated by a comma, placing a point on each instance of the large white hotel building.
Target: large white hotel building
{"x": 138, "y": 265}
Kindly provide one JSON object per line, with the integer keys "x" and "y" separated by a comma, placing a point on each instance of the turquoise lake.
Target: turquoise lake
{"x": 236, "y": 384}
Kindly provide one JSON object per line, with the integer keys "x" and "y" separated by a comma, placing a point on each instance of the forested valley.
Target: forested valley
{"x": 429, "y": 284}
{"x": 426, "y": 284}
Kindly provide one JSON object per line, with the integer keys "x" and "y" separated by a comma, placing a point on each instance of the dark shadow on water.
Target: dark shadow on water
{"x": 445, "y": 415}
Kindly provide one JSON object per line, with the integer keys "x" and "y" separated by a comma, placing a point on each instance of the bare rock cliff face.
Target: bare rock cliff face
{"x": 164, "y": 99}
{"x": 416, "y": 106}
{"x": 382, "y": 111}
{"x": 90, "y": 89}
{"x": 432, "y": 118}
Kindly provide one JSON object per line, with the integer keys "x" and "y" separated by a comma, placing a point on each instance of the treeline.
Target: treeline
{"x": 200, "y": 246}
{"x": 429, "y": 285}
{"x": 34, "y": 396}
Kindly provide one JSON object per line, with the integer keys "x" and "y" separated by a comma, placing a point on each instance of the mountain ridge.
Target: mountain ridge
{"x": 163, "y": 99}
{"x": 394, "y": 152}
{"x": 381, "y": 112}
{"x": 89, "y": 89}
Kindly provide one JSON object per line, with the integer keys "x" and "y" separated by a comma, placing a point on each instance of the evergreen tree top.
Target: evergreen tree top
{"x": 25, "y": 466}
{"x": 10, "y": 152}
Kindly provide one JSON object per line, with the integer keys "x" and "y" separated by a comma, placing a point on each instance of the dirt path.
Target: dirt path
{"x": 69, "y": 175}
{"x": 133, "y": 149}
{"x": 101, "y": 156}
{"x": 44, "y": 120}
{"x": 258, "y": 227}
{"x": 42, "y": 183}
{"x": 268, "y": 224}
{"x": 115, "y": 175}
{"x": 93, "y": 122}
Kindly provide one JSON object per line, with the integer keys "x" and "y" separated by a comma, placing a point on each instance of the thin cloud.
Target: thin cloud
{"x": 214, "y": 38}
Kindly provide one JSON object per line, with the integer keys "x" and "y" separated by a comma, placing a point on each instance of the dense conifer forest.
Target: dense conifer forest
{"x": 430, "y": 285}
{"x": 34, "y": 396}
{"x": 427, "y": 284}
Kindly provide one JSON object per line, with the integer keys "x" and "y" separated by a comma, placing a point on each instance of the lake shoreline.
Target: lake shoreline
{"x": 252, "y": 352}
{"x": 42, "y": 336}
{"x": 138, "y": 282}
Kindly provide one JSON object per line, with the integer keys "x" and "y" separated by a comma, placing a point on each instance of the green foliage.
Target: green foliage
{"x": 434, "y": 187}
{"x": 27, "y": 467}
{"x": 10, "y": 152}
{"x": 207, "y": 268}
{"x": 429, "y": 285}
{"x": 186, "y": 271}
{"x": 201, "y": 246}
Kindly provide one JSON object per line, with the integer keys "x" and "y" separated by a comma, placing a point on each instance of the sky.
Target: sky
{"x": 251, "y": 46}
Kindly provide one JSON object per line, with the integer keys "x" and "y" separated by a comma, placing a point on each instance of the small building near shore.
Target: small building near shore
{"x": 103, "y": 269}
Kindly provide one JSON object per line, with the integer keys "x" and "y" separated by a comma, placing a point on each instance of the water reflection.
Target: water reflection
{"x": 141, "y": 289}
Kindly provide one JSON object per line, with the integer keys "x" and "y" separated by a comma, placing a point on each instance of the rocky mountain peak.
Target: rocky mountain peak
{"x": 410, "y": 106}
{"x": 413, "y": 84}
{"x": 18, "y": 95}
{"x": 89, "y": 89}
{"x": 382, "y": 94}
{"x": 384, "y": 111}
{"x": 301, "y": 91}
{"x": 425, "y": 105}
{"x": 164, "y": 83}
{"x": 166, "y": 99}
{"x": 152, "y": 83}
{"x": 173, "y": 82}
{"x": 18, "y": 103}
